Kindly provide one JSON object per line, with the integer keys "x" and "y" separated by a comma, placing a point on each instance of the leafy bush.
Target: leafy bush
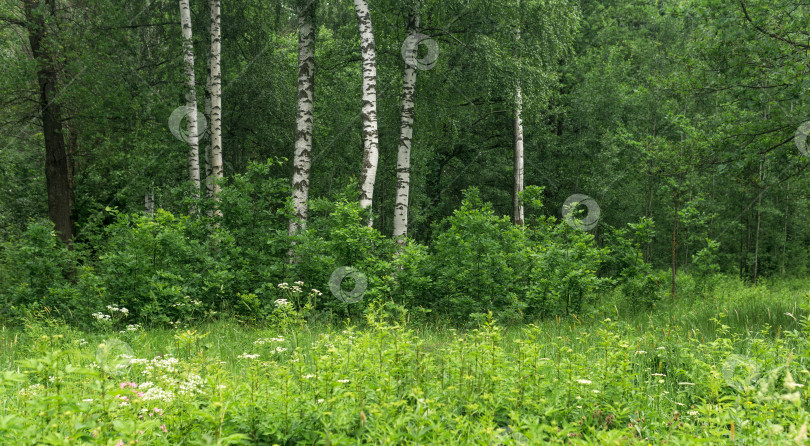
{"x": 254, "y": 212}
{"x": 338, "y": 235}
{"x": 34, "y": 270}
{"x": 639, "y": 285}
{"x": 480, "y": 262}
{"x": 564, "y": 264}
{"x": 155, "y": 268}
{"x": 706, "y": 267}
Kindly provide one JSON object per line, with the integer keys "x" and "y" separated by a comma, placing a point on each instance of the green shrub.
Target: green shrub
{"x": 563, "y": 273}
{"x": 338, "y": 235}
{"x": 157, "y": 270}
{"x": 477, "y": 262}
{"x": 34, "y": 270}
{"x": 255, "y": 212}
{"x": 639, "y": 285}
{"x": 480, "y": 262}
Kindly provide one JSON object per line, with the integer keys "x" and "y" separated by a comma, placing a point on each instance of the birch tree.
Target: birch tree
{"x": 517, "y": 204}
{"x": 369, "y": 108}
{"x": 215, "y": 84}
{"x": 302, "y": 160}
{"x": 191, "y": 98}
{"x": 406, "y": 129}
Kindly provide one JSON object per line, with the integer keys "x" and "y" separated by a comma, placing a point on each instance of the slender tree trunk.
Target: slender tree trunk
{"x": 369, "y": 108}
{"x": 517, "y": 204}
{"x": 406, "y": 135}
{"x": 57, "y": 174}
{"x": 191, "y": 98}
{"x": 302, "y": 160}
{"x": 759, "y": 218}
{"x": 215, "y": 69}
{"x": 149, "y": 202}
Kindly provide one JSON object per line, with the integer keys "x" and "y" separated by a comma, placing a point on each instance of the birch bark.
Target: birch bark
{"x": 191, "y": 97}
{"x": 369, "y": 108}
{"x": 406, "y": 135}
{"x": 302, "y": 160}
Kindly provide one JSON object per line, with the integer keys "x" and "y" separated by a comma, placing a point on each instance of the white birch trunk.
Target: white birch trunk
{"x": 302, "y": 160}
{"x": 518, "y": 161}
{"x": 191, "y": 97}
{"x": 216, "y": 101}
{"x": 406, "y": 139}
{"x": 517, "y": 203}
{"x": 369, "y": 109}
{"x": 149, "y": 202}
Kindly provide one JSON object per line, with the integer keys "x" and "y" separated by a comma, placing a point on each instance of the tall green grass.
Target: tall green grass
{"x": 726, "y": 367}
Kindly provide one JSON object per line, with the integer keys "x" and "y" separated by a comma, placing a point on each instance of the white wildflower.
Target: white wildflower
{"x": 156, "y": 393}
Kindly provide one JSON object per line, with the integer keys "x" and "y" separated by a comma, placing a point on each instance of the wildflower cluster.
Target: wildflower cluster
{"x": 262, "y": 341}
{"x": 192, "y": 303}
{"x": 115, "y": 309}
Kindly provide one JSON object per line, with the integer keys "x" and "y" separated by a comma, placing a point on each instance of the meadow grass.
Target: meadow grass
{"x": 726, "y": 367}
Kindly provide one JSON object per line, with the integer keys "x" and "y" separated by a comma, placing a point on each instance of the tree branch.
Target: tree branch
{"x": 12, "y": 20}
{"x": 769, "y": 33}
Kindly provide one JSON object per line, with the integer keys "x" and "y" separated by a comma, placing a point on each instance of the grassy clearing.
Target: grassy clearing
{"x": 726, "y": 369}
